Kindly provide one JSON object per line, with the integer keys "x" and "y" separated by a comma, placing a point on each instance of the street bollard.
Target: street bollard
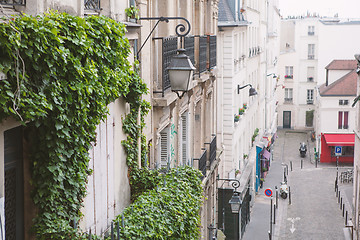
{"x": 335, "y": 184}
{"x": 341, "y": 203}
{"x": 271, "y": 205}
{"x": 301, "y": 163}
{"x": 274, "y": 215}
{"x": 269, "y": 235}
{"x": 346, "y": 218}
{"x": 343, "y": 209}
{"x": 289, "y": 196}
{"x": 339, "y": 197}
{"x": 290, "y": 165}
{"x": 316, "y": 162}
{"x": 277, "y": 196}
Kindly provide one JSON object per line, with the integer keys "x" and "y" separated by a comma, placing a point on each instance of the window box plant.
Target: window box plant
{"x": 289, "y": 76}
{"x": 241, "y": 111}
{"x": 132, "y": 13}
{"x": 245, "y": 105}
{"x": 236, "y": 118}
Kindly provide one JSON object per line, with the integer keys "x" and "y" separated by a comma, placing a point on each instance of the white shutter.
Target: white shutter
{"x": 184, "y": 138}
{"x": 164, "y": 147}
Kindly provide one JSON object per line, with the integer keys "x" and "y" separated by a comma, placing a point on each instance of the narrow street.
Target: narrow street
{"x": 314, "y": 212}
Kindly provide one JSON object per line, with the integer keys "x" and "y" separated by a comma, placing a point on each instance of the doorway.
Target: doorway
{"x": 14, "y": 184}
{"x": 286, "y": 119}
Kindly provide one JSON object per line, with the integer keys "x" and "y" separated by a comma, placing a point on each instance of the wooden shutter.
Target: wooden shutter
{"x": 340, "y": 120}
{"x": 184, "y": 138}
{"x": 164, "y": 147}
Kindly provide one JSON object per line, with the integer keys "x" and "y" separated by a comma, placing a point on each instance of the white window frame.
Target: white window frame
{"x": 311, "y": 30}
{"x": 311, "y": 51}
{"x": 288, "y": 94}
{"x": 289, "y": 71}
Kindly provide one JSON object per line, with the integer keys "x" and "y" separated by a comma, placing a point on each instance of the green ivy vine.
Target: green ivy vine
{"x": 62, "y": 72}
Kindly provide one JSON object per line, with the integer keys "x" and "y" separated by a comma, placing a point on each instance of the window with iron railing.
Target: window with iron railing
{"x": 201, "y": 51}
{"x": 92, "y": 4}
{"x": 13, "y": 2}
{"x": 311, "y": 51}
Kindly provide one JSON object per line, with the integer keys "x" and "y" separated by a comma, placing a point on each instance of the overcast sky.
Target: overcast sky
{"x": 345, "y": 8}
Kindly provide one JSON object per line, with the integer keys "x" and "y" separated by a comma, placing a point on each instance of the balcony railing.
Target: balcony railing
{"x": 202, "y": 164}
{"x": 311, "y": 33}
{"x": 310, "y": 79}
{"x": 92, "y": 4}
{"x": 212, "y": 155}
{"x": 311, "y": 56}
{"x": 288, "y": 100}
{"x": 310, "y": 101}
{"x": 13, "y": 2}
{"x": 212, "y": 51}
{"x": 200, "y": 49}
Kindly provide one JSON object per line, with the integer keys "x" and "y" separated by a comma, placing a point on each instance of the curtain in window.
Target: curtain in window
{"x": 340, "y": 120}
{"x": 346, "y": 117}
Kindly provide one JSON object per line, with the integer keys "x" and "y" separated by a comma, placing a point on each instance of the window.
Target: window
{"x": 309, "y": 118}
{"x": 310, "y": 74}
{"x": 311, "y": 51}
{"x": 288, "y": 94}
{"x": 343, "y": 102}
{"x": 184, "y": 139}
{"x": 343, "y": 120}
{"x": 164, "y": 147}
{"x": 289, "y": 71}
{"x": 310, "y": 96}
{"x": 311, "y": 30}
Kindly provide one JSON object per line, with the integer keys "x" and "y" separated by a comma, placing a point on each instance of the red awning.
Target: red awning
{"x": 339, "y": 139}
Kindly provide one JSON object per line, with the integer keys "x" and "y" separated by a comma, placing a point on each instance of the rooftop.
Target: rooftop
{"x": 344, "y": 86}
{"x": 342, "y": 65}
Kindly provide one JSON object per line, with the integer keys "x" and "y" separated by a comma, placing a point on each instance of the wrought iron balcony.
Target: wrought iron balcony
{"x": 310, "y": 101}
{"x": 92, "y": 4}
{"x": 212, "y": 155}
{"x": 202, "y": 164}
{"x": 13, "y": 2}
{"x": 288, "y": 100}
{"x": 200, "y": 49}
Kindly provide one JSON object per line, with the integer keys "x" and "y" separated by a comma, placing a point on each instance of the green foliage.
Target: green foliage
{"x": 132, "y": 12}
{"x": 62, "y": 72}
{"x": 169, "y": 211}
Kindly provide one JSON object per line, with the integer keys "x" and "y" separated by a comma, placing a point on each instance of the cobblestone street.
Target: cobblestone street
{"x": 314, "y": 212}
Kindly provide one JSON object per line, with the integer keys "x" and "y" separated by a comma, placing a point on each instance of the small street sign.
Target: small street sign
{"x": 338, "y": 150}
{"x": 268, "y": 192}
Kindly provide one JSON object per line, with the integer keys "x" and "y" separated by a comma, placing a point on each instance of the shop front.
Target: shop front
{"x": 331, "y": 140}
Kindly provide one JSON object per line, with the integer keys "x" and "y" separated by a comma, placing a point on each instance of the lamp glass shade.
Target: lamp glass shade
{"x": 179, "y": 79}
{"x": 252, "y": 91}
{"x": 235, "y": 203}
{"x": 180, "y": 71}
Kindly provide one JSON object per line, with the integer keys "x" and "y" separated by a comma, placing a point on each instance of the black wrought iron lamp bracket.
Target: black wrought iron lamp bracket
{"x": 180, "y": 29}
{"x": 234, "y": 182}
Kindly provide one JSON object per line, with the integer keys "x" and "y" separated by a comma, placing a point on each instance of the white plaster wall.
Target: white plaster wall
{"x": 334, "y": 75}
{"x": 336, "y": 42}
{"x": 328, "y": 115}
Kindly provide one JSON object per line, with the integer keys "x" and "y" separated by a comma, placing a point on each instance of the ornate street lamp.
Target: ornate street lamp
{"x": 252, "y": 91}
{"x": 180, "y": 69}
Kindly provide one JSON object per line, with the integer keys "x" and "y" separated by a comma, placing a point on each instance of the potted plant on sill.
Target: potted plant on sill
{"x": 241, "y": 111}
{"x": 245, "y": 105}
{"x": 236, "y": 118}
{"x": 132, "y": 13}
